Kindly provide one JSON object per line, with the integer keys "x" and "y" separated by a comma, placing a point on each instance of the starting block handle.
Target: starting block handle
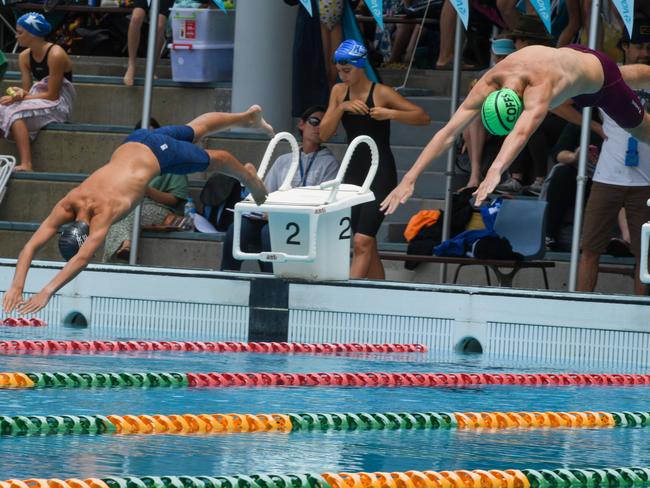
{"x": 295, "y": 158}
{"x": 644, "y": 274}
{"x": 7, "y": 164}
{"x": 273, "y": 257}
{"x": 374, "y": 164}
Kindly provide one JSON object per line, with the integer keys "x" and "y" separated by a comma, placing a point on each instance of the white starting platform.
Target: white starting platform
{"x": 310, "y": 226}
{"x": 644, "y": 274}
{"x": 7, "y": 165}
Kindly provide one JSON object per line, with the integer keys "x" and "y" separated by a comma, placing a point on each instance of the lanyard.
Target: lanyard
{"x": 303, "y": 173}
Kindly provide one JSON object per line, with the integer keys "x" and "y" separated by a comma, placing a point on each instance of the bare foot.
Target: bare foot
{"x": 129, "y": 76}
{"x": 257, "y": 121}
{"x": 255, "y": 185}
{"x": 470, "y": 184}
{"x": 23, "y": 168}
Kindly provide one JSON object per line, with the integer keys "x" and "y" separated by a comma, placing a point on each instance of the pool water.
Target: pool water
{"x": 226, "y": 454}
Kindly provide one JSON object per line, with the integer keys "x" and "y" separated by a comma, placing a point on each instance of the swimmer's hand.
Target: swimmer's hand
{"x": 398, "y": 196}
{"x": 487, "y": 186}
{"x": 355, "y": 107}
{"x": 381, "y": 113}
{"x": 14, "y": 94}
{"x": 35, "y": 303}
{"x": 12, "y": 299}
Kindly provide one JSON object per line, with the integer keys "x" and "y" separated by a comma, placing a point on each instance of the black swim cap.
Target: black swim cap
{"x": 72, "y": 237}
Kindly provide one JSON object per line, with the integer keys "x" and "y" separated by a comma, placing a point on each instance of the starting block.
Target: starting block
{"x": 310, "y": 226}
{"x": 644, "y": 274}
{"x": 7, "y": 165}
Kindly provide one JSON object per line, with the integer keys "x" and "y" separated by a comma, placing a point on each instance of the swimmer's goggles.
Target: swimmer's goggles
{"x": 356, "y": 61}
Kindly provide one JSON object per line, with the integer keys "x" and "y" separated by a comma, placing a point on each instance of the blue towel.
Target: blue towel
{"x": 460, "y": 245}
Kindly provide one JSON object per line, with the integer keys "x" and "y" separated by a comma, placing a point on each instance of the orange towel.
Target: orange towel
{"x": 422, "y": 219}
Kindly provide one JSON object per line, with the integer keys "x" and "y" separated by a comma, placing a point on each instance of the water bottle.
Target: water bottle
{"x": 189, "y": 208}
{"x": 189, "y": 211}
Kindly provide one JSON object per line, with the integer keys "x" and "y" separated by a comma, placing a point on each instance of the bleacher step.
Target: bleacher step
{"x": 438, "y": 81}
{"x": 110, "y": 104}
{"x": 105, "y": 66}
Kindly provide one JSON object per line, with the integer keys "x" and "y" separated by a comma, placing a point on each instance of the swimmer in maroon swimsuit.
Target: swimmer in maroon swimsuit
{"x": 546, "y": 79}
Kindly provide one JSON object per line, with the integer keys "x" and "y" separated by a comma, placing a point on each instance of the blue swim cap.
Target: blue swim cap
{"x": 35, "y": 24}
{"x": 72, "y": 238}
{"x": 351, "y": 52}
{"x": 503, "y": 47}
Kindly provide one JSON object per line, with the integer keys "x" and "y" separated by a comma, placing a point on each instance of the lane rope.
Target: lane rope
{"x": 371, "y": 379}
{"x": 54, "y": 347}
{"x": 296, "y": 422}
{"x": 23, "y": 322}
{"x": 509, "y": 478}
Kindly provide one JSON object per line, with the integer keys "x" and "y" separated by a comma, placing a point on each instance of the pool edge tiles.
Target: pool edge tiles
{"x": 503, "y": 322}
{"x": 143, "y": 303}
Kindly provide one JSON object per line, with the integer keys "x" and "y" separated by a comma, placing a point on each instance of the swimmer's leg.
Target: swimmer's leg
{"x": 642, "y": 131}
{"x": 637, "y": 76}
{"x": 217, "y": 121}
{"x": 226, "y": 163}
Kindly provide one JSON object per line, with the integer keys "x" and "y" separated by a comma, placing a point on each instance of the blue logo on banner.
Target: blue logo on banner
{"x": 307, "y": 5}
{"x": 219, "y": 3}
{"x": 626, "y": 9}
{"x": 375, "y": 7}
{"x": 543, "y": 8}
{"x": 462, "y": 8}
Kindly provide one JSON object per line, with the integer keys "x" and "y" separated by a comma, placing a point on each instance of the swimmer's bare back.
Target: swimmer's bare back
{"x": 562, "y": 73}
{"x": 120, "y": 184}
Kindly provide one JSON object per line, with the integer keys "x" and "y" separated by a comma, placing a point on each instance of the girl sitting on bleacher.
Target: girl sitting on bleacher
{"x": 26, "y": 109}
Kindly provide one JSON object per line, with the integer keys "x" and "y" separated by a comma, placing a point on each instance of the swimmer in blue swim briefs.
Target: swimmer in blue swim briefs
{"x": 546, "y": 79}
{"x": 117, "y": 187}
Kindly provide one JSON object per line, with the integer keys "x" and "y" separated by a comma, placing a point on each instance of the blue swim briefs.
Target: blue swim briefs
{"x": 173, "y": 146}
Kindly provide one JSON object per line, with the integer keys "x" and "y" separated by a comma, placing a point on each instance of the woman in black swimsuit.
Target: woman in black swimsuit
{"x": 46, "y": 93}
{"x": 366, "y": 108}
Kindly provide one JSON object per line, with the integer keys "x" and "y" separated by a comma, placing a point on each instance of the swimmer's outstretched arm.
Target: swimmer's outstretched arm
{"x": 72, "y": 268}
{"x": 528, "y": 122}
{"x": 637, "y": 76}
{"x": 440, "y": 143}
{"x": 13, "y": 297}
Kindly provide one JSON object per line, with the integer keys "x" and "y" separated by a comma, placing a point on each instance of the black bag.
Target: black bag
{"x": 219, "y": 196}
{"x": 429, "y": 237}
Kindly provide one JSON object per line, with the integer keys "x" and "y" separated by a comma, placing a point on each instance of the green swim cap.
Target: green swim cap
{"x": 500, "y": 111}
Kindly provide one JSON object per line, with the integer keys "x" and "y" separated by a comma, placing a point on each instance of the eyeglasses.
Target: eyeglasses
{"x": 313, "y": 121}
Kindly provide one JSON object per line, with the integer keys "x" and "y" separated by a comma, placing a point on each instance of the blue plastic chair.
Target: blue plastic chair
{"x": 523, "y": 223}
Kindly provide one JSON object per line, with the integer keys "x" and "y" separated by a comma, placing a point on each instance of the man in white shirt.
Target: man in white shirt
{"x": 621, "y": 180}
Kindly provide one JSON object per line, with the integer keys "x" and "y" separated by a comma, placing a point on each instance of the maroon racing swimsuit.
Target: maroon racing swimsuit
{"x": 615, "y": 97}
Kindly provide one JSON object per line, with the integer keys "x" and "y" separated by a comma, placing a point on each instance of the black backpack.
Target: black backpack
{"x": 219, "y": 196}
